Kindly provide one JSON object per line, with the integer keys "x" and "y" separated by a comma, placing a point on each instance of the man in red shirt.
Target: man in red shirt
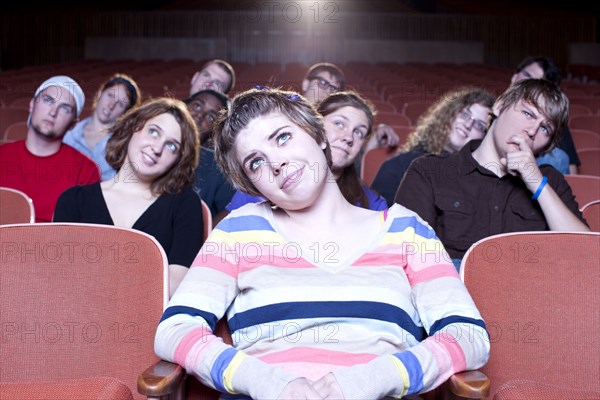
{"x": 41, "y": 165}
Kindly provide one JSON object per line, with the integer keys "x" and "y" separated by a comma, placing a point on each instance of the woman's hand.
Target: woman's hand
{"x": 329, "y": 388}
{"x": 300, "y": 388}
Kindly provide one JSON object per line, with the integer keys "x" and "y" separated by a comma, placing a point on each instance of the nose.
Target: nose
{"x": 278, "y": 168}
{"x": 348, "y": 138}
{"x": 54, "y": 110}
{"x": 112, "y": 104}
{"x": 469, "y": 123}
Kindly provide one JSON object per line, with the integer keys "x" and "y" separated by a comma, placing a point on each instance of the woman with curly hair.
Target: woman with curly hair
{"x": 456, "y": 118}
{"x": 154, "y": 149}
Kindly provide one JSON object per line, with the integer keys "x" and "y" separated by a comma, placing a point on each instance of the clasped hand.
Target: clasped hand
{"x": 522, "y": 163}
{"x": 301, "y": 388}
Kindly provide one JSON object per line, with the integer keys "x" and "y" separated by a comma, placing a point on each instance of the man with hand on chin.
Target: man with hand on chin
{"x": 494, "y": 185}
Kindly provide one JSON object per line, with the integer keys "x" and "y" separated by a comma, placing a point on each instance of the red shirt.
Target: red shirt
{"x": 44, "y": 178}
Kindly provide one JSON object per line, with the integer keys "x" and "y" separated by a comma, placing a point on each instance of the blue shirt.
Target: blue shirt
{"x": 75, "y": 139}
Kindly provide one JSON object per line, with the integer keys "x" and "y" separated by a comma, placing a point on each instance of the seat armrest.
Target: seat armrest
{"x": 161, "y": 379}
{"x": 469, "y": 385}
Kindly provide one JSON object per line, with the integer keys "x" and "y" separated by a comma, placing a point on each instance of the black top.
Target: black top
{"x": 175, "y": 221}
{"x": 210, "y": 183}
{"x": 464, "y": 202}
{"x": 390, "y": 174}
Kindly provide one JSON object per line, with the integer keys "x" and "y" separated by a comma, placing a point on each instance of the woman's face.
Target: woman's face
{"x": 470, "y": 123}
{"x": 285, "y": 164}
{"x": 112, "y": 103}
{"x": 154, "y": 149}
{"x": 346, "y": 130}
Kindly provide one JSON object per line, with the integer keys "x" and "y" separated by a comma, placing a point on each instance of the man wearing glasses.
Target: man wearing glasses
{"x": 322, "y": 79}
{"x": 494, "y": 185}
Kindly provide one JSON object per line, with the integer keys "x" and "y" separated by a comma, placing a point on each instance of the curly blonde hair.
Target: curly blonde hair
{"x": 434, "y": 126}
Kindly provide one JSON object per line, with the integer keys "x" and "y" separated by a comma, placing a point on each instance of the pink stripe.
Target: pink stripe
{"x": 198, "y": 335}
{"x": 215, "y": 263}
{"x": 379, "y": 259}
{"x": 250, "y": 263}
{"x": 431, "y": 273}
{"x": 317, "y": 356}
{"x": 456, "y": 352}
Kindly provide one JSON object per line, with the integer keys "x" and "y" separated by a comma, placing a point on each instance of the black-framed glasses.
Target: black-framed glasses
{"x": 325, "y": 84}
{"x": 478, "y": 124}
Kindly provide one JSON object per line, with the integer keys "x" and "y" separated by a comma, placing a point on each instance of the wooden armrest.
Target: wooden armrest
{"x": 469, "y": 384}
{"x": 161, "y": 379}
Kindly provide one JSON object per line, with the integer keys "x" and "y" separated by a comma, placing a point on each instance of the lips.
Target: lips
{"x": 345, "y": 151}
{"x": 292, "y": 179}
{"x": 148, "y": 159}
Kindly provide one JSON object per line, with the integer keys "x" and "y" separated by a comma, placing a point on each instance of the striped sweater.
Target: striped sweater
{"x": 389, "y": 320}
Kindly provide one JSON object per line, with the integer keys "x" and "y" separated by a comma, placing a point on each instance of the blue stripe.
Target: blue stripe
{"x": 219, "y": 367}
{"x": 415, "y": 372}
{"x": 401, "y": 224}
{"x": 452, "y": 319}
{"x": 246, "y": 223}
{"x": 327, "y": 309}
{"x": 210, "y": 318}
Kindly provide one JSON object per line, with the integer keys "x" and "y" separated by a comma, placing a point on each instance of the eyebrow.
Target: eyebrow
{"x": 270, "y": 137}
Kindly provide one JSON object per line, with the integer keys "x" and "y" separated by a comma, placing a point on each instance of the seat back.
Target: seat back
{"x": 372, "y": 160}
{"x": 207, "y": 217}
{"x": 587, "y": 122}
{"x": 15, "y": 207}
{"x": 590, "y": 161}
{"x": 16, "y": 131}
{"x": 591, "y": 213}
{"x": 584, "y": 139}
{"x": 538, "y": 294}
{"x": 79, "y": 301}
{"x": 586, "y": 188}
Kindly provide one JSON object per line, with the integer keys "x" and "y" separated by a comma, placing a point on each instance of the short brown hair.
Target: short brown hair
{"x": 537, "y": 92}
{"x": 252, "y": 104}
{"x": 225, "y": 66}
{"x": 182, "y": 173}
{"x": 131, "y": 87}
{"x": 335, "y": 71}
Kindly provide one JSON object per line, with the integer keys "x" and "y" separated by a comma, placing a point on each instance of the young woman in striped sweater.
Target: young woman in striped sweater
{"x": 324, "y": 299}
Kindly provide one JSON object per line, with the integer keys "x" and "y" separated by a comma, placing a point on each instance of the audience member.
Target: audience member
{"x": 456, "y": 118}
{"x": 41, "y": 166}
{"x": 316, "y": 311}
{"x": 210, "y": 184}
{"x": 215, "y": 74}
{"x": 563, "y": 157}
{"x": 323, "y": 79}
{"x": 114, "y": 97}
{"x": 348, "y": 121}
{"x": 154, "y": 149}
{"x": 495, "y": 186}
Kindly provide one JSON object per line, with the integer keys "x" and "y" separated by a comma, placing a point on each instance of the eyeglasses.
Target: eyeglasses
{"x": 325, "y": 85}
{"x": 478, "y": 124}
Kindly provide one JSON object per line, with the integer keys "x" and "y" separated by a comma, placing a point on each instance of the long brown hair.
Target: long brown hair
{"x": 182, "y": 173}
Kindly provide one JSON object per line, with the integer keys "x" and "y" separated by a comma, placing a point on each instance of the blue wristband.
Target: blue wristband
{"x": 540, "y": 188}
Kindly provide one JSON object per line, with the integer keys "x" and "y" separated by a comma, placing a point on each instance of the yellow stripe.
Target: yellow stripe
{"x": 403, "y": 375}
{"x": 230, "y": 371}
